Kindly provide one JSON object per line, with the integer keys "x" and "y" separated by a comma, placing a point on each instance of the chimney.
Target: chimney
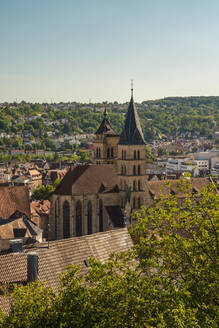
{"x": 16, "y": 245}
{"x": 32, "y": 266}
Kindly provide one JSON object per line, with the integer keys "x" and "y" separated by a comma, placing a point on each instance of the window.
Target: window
{"x": 78, "y": 218}
{"x": 112, "y": 152}
{"x": 100, "y": 215}
{"x": 108, "y": 153}
{"x": 134, "y": 154}
{"x": 138, "y": 154}
{"x": 139, "y": 170}
{"x": 57, "y": 214}
{"x": 66, "y": 219}
{"x": 89, "y": 218}
{"x": 139, "y": 202}
{"x": 139, "y": 185}
{"x": 134, "y": 185}
{"x": 134, "y": 170}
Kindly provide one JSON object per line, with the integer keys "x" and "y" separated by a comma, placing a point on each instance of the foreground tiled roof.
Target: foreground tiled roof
{"x": 166, "y": 187}
{"x": 88, "y": 179}
{"x": 13, "y": 267}
{"x": 12, "y": 199}
{"x": 7, "y": 230}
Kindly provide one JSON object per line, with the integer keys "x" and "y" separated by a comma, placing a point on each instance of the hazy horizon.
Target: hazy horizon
{"x": 88, "y": 51}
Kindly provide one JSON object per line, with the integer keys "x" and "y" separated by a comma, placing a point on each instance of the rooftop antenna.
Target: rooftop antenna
{"x": 132, "y": 88}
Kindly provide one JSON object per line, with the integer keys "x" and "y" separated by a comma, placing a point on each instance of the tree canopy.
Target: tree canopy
{"x": 168, "y": 279}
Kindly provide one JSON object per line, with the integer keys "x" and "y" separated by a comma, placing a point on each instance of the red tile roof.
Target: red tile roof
{"x": 12, "y": 199}
{"x": 165, "y": 187}
{"x": 62, "y": 253}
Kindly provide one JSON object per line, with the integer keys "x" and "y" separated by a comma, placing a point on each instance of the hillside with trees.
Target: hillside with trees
{"x": 166, "y": 116}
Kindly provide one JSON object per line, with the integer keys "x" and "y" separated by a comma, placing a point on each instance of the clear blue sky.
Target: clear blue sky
{"x": 88, "y": 50}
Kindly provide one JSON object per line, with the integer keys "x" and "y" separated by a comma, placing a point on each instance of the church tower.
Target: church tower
{"x": 131, "y": 164}
{"x": 105, "y": 143}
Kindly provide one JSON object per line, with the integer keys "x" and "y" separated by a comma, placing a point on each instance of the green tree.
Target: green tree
{"x": 169, "y": 278}
{"x": 42, "y": 192}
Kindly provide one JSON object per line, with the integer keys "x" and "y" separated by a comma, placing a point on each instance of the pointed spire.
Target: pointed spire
{"x": 105, "y": 126}
{"x": 131, "y": 88}
{"x": 132, "y": 133}
{"x": 105, "y": 112}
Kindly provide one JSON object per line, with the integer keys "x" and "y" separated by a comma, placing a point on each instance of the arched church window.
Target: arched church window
{"x": 108, "y": 153}
{"x": 89, "y": 218}
{"x": 139, "y": 170}
{"x": 134, "y": 185}
{"x": 57, "y": 214}
{"x": 66, "y": 219}
{"x": 78, "y": 218}
{"x": 139, "y": 185}
{"x": 138, "y": 154}
{"x": 134, "y": 154}
{"x": 112, "y": 152}
{"x": 100, "y": 215}
{"x": 134, "y": 170}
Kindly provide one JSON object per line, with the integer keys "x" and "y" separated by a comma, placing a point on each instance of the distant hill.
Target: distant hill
{"x": 169, "y": 116}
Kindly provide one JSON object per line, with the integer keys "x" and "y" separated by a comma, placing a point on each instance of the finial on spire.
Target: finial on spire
{"x": 105, "y": 111}
{"x": 131, "y": 88}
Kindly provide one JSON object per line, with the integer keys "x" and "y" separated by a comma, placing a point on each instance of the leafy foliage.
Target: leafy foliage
{"x": 169, "y": 278}
{"x": 44, "y": 192}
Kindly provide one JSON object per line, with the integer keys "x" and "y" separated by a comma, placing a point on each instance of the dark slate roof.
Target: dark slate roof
{"x": 12, "y": 199}
{"x": 132, "y": 133}
{"x": 90, "y": 179}
{"x": 62, "y": 253}
{"x": 106, "y": 128}
{"x": 115, "y": 215}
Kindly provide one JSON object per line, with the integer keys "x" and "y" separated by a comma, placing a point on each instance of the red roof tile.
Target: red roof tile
{"x": 12, "y": 199}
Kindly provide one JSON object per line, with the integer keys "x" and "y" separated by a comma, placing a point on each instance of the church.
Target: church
{"x": 101, "y": 195}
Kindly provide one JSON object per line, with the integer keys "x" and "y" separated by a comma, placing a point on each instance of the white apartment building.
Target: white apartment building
{"x": 215, "y": 170}
{"x": 190, "y": 166}
{"x": 174, "y": 165}
{"x": 187, "y": 165}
